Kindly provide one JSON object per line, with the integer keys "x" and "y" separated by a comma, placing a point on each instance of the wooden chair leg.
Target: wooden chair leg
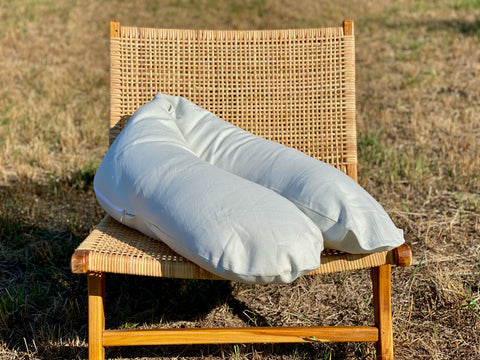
{"x": 96, "y": 316}
{"x": 381, "y": 278}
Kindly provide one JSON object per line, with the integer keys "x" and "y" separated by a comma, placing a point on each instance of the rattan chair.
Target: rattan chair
{"x": 296, "y": 87}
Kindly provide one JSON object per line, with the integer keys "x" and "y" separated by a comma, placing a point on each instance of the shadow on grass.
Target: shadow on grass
{"x": 459, "y": 26}
{"x": 465, "y": 27}
{"x": 43, "y": 306}
{"x": 41, "y": 309}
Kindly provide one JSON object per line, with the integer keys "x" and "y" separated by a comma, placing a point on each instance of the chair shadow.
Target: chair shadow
{"x": 137, "y": 300}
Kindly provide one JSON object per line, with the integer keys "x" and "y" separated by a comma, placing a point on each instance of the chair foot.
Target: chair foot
{"x": 96, "y": 316}
{"x": 381, "y": 279}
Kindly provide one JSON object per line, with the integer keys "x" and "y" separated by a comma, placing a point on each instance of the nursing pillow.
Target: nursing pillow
{"x": 238, "y": 205}
{"x": 153, "y": 180}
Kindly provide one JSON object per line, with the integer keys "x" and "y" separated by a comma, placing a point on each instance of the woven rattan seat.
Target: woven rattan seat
{"x": 115, "y": 248}
{"x": 296, "y": 87}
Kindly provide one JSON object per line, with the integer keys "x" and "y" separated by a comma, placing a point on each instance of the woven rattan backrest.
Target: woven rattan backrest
{"x": 296, "y": 87}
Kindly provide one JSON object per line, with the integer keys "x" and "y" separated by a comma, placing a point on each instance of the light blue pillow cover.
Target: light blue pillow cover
{"x": 242, "y": 207}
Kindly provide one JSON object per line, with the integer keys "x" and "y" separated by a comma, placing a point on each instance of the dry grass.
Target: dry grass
{"x": 418, "y": 113}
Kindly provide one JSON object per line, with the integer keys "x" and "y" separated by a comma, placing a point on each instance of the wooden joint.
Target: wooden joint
{"x": 402, "y": 255}
{"x": 348, "y": 27}
{"x": 79, "y": 262}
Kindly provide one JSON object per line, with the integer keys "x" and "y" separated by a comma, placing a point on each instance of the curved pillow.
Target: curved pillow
{"x": 350, "y": 219}
{"x": 151, "y": 179}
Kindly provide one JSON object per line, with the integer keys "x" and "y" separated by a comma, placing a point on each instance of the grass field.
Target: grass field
{"x": 418, "y": 112}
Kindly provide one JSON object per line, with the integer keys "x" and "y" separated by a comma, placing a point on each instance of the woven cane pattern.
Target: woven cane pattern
{"x": 295, "y": 87}
{"x": 115, "y": 248}
{"x": 335, "y": 261}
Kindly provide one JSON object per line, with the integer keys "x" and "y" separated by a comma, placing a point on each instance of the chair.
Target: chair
{"x": 296, "y": 87}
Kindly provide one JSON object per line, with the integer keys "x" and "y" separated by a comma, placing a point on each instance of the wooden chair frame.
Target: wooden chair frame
{"x": 328, "y": 120}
